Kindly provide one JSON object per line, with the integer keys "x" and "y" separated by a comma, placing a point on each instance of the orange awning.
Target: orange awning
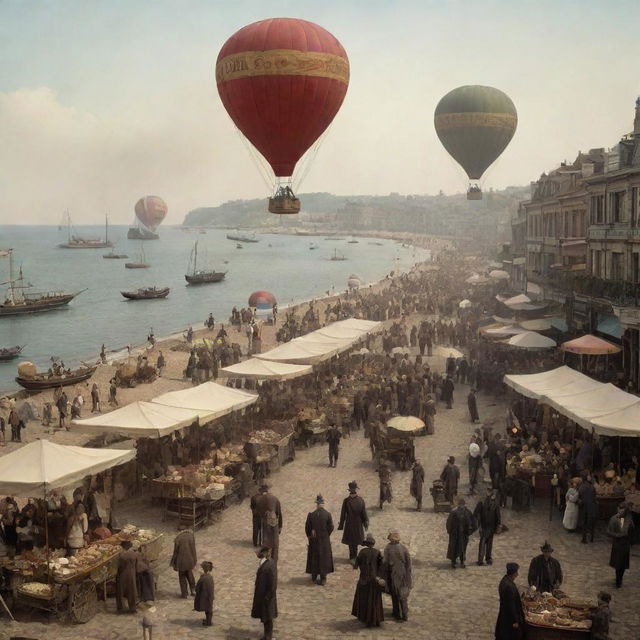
{"x": 590, "y": 345}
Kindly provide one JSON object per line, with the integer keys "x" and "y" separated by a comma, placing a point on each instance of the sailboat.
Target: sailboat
{"x": 141, "y": 264}
{"x": 337, "y": 257}
{"x": 75, "y": 242}
{"x": 201, "y": 276}
{"x": 17, "y": 301}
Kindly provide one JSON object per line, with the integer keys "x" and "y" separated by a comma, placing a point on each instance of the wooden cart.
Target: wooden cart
{"x": 75, "y": 597}
{"x": 536, "y": 631}
{"x": 396, "y": 448}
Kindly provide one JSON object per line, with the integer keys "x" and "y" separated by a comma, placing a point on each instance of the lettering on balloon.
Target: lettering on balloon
{"x": 476, "y": 119}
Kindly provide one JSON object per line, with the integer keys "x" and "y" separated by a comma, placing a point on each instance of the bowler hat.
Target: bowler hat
{"x": 546, "y": 547}
{"x": 319, "y": 499}
{"x": 353, "y": 485}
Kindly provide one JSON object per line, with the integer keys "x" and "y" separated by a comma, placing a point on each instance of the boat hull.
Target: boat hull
{"x": 135, "y": 233}
{"x": 135, "y": 265}
{"x": 36, "y": 307}
{"x": 206, "y": 278}
{"x": 88, "y": 245}
{"x": 38, "y": 384}
{"x": 231, "y": 236}
{"x": 9, "y": 353}
{"x": 152, "y": 295}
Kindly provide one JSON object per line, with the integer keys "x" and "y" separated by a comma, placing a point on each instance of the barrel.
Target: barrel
{"x": 27, "y": 369}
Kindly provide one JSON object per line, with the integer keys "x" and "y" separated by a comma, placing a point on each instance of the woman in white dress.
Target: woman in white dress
{"x": 570, "y": 520}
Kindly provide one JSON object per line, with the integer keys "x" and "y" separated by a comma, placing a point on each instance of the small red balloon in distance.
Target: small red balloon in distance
{"x": 282, "y": 81}
{"x": 151, "y": 211}
{"x": 261, "y": 298}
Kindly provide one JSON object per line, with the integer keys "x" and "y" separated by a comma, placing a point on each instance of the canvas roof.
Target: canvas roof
{"x": 264, "y": 369}
{"x": 531, "y": 340}
{"x": 590, "y": 345}
{"x": 209, "y": 400}
{"x": 139, "y": 420}
{"x": 536, "y": 385}
{"x": 43, "y": 465}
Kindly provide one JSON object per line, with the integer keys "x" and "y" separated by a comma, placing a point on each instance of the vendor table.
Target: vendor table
{"x": 543, "y": 632}
{"x": 194, "y": 512}
{"x": 608, "y": 506}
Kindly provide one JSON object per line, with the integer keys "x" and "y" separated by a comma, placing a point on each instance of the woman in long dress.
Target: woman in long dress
{"x": 367, "y": 601}
{"x": 570, "y": 520}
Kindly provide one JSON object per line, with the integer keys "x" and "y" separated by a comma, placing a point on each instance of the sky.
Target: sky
{"x": 104, "y": 102}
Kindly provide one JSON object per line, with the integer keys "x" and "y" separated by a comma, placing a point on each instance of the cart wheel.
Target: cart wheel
{"x": 83, "y": 601}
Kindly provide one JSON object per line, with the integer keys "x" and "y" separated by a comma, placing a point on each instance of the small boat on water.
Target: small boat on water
{"x": 141, "y": 264}
{"x": 7, "y": 353}
{"x": 149, "y": 293}
{"x": 379, "y": 244}
{"x": 337, "y": 257}
{"x": 239, "y": 246}
{"x": 202, "y": 276}
{"x": 42, "y": 381}
{"x": 76, "y": 242}
{"x": 242, "y": 237}
{"x": 17, "y": 302}
{"x": 313, "y": 246}
{"x": 114, "y": 256}
{"x": 353, "y": 241}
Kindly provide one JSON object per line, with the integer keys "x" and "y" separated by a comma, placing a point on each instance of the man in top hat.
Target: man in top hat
{"x": 265, "y": 602}
{"x": 318, "y": 527}
{"x": 450, "y": 476}
{"x": 460, "y": 525}
{"x": 397, "y": 571}
{"x": 621, "y": 529}
{"x": 487, "y": 514}
{"x": 545, "y": 572}
{"x": 510, "y": 622}
{"x": 417, "y": 482}
{"x": 353, "y": 521}
{"x": 269, "y": 512}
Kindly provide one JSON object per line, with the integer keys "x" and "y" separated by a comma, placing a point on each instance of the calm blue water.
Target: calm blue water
{"x": 287, "y": 268}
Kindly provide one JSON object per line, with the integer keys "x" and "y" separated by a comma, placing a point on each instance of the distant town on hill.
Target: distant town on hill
{"x": 487, "y": 220}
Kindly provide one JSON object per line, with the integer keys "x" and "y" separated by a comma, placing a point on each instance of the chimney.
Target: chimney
{"x": 636, "y": 121}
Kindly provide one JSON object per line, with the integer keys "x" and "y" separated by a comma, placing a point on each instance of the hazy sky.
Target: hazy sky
{"x": 102, "y": 101}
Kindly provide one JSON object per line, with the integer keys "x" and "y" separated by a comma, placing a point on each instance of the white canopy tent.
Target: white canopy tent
{"x": 265, "y": 369}
{"x": 209, "y": 400}
{"x": 43, "y": 465}
{"x": 519, "y": 299}
{"x": 139, "y": 420}
{"x": 531, "y": 340}
{"x": 536, "y": 385}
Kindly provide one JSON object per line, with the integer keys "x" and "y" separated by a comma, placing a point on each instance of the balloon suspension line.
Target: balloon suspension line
{"x": 307, "y": 161}
{"x": 258, "y": 161}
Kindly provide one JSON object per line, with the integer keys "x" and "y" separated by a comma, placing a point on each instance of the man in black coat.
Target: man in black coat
{"x": 333, "y": 438}
{"x": 265, "y": 602}
{"x": 587, "y": 507}
{"x": 184, "y": 559}
{"x": 487, "y": 514}
{"x": 510, "y": 622}
{"x": 318, "y": 527}
{"x": 545, "y": 572}
{"x": 417, "y": 482}
{"x": 270, "y": 513}
{"x": 447, "y": 392}
{"x": 620, "y": 528}
{"x": 203, "y": 600}
{"x": 353, "y": 521}
{"x": 460, "y": 525}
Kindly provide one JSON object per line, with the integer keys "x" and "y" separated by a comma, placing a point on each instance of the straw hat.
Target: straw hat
{"x": 394, "y": 535}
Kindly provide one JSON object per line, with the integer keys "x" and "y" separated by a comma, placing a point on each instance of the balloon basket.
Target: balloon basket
{"x": 284, "y": 206}
{"x": 474, "y": 194}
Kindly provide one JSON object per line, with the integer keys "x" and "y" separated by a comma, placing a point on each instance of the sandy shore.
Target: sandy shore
{"x": 172, "y": 378}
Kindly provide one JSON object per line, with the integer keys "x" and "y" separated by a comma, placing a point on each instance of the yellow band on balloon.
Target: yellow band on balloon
{"x": 282, "y": 62}
{"x": 475, "y": 119}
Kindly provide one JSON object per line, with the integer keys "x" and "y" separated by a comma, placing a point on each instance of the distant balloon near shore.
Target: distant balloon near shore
{"x": 475, "y": 124}
{"x": 151, "y": 211}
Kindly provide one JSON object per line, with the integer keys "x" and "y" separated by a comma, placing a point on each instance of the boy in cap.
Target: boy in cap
{"x": 601, "y": 618}
{"x": 510, "y": 622}
{"x": 203, "y": 600}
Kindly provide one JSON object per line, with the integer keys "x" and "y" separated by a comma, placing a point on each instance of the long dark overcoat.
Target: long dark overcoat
{"x": 353, "y": 520}
{"x": 367, "y": 601}
{"x": 204, "y": 593}
{"x": 511, "y": 611}
{"x": 460, "y": 525}
{"x": 621, "y": 541}
{"x": 318, "y": 528}
{"x": 126, "y": 578}
{"x": 417, "y": 481}
{"x": 265, "y": 602}
{"x": 184, "y": 552}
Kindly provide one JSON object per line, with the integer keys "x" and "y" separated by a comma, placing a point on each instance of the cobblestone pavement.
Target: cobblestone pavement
{"x": 445, "y": 604}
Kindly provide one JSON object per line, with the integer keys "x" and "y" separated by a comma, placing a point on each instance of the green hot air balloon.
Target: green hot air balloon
{"x": 475, "y": 124}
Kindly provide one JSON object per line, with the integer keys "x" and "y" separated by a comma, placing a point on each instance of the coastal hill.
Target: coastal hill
{"x": 443, "y": 215}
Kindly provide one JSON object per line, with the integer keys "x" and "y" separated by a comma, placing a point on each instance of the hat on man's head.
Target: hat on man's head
{"x": 394, "y": 535}
{"x": 353, "y": 485}
{"x": 369, "y": 541}
{"x": 546, "y": 547}
{"x": 264, "y": 487}
{"x": 319, "y": 499}
{"x": 512, "y": 567}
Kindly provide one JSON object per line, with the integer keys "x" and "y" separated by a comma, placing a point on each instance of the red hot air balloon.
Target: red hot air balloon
{"x": 282, "y": 81}
{"x": 150, "y": 212}
{"x": 262, "y": 298}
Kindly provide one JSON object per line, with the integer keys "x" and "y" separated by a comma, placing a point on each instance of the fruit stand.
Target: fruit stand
{"x": 556, "y": 618}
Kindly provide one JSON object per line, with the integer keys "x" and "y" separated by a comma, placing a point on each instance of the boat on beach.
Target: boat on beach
{"x": 202, "y": 276}
{"x": 148, "y": 293}
{"x": 41, "y": 381}
{"x": 7, "y": 353}
{"x": 17, "y": 302}
{"x": 76, "y": 242}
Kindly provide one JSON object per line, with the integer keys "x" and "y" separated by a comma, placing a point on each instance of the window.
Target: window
{"x": 616, "y": 207}
{"x": 617, "y": 265}
{"x": 595, "y": 263}
{"x": 635, "y": 193}
{"x": 597, "y": 209}
{"x": 636, "y": 268}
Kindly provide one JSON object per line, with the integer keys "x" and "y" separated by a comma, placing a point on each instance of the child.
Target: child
{"x": 204, "y": 593}
{"x": 149, "y": 620}
{"x": 601, "y": 618}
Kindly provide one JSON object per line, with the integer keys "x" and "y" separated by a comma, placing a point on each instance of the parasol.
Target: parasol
{"x": 406, "y": 424}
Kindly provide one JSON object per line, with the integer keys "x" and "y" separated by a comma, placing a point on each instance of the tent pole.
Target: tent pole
{"x": 46, "y": 533}
{"x": 619, "y": 455}
{"x": 593, "y": 445}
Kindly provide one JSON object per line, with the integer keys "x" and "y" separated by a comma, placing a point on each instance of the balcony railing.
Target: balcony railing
{"x": 619, "y": 292}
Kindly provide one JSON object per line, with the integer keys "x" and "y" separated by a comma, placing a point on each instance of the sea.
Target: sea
{"x": 282, "y": 264}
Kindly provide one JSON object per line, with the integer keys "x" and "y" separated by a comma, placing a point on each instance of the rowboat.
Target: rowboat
{"x": 45, "y": 381}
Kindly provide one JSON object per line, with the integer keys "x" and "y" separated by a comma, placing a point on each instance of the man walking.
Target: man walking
{"x": 333, "y": 438}
{"x": 265, "y": 602}
{"x": 397, "y": 571}
{"x": 318, "y": 527}
{"x": 510, "y": 622}
{"x": 487, "y": 515}
{"x": 417, "y": 482}
{"x": 460, "y": 525}
{"x": 113, "y": 390}
{"x": 472, "y": 404}
{"x": 184, "y": 560}
{"x": 588, "y": 506}
{"x": 270, "y": 513}
{"x": 621, "y": 529}
{"x": 447, "y": 392}
{"x": 475, "y": 464}
{"x": 126, "y": 585}
{"x": 384, "y": 473}
{"x": 450, "y": 476}
{"x": 353, "y": 521}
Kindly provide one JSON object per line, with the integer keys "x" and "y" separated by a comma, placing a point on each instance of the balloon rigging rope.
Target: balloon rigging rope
{"x": 258, "y": 161}
{"x": 307, "y": 161}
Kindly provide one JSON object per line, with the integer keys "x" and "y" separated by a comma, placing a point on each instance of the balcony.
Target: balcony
{"x": 619, "y": 292}
{"x": 611, "y": 232}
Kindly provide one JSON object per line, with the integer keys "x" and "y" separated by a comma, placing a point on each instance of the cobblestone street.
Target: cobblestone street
{"x": 444, "y": 604}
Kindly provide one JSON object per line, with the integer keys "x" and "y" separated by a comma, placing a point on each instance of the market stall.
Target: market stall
{"x": 257, "y": 369}
{"x": 556, "y": 617}
{"x": 42, "y": 578}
